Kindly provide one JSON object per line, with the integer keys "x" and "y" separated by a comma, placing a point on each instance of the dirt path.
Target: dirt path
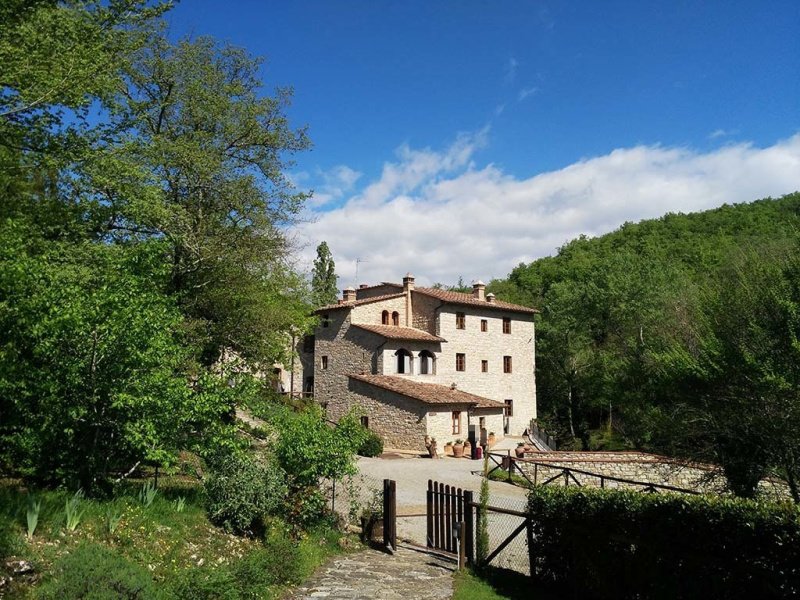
{"x": 408, "y": 574}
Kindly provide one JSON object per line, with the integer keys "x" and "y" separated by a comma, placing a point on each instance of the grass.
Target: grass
{"x": 497, "y": 584}
{"x": 167, "y": 542}
{"x": 518, "y": 480}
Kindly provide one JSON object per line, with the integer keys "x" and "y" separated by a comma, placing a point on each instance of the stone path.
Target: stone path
{"x": 409, "y": 574}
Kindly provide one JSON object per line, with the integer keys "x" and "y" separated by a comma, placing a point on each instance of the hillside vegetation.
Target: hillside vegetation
{"x": 676, "y": 335}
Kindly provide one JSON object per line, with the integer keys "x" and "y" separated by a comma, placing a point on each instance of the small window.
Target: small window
{"x": 484, "y": 325}
{"x": 506, "y": 324}
{"x": 484, "y": 366}
{"x": 506, "y": 364}
{"x": 324, "y": 362}
{"x": 404, "y": 364}
{"x": 426, "y": 362}
{"x": 365, "y": 422}
{"x": 308, "y": 343}
{"x": 326, "y": 320}
{"x": 461, "y": 321}
{"x": 396, "y": 319}
{"x": 456, "y": 422}
{"x": 508, "y": 410}
{"x": 385, "y": 317}
{"x": 461, "y": 362}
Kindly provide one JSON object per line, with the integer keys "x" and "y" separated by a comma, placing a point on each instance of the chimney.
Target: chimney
{"x": 490, "y": 298}
{"x": 363, "y": 286}
{"x": 349, "y": 294}
{"x": 408, "y": 287}
{"x": 479, "y": 290}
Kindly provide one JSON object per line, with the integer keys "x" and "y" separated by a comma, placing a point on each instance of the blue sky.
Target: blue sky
{"x": 487, "y": 133}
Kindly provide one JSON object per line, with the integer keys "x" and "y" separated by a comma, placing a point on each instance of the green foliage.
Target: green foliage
{"x": 323, "y": 278}
{"x": 147, "y": 493}
{"x": 73, "y": 512}
{"x": 94, "y": 572}
{"x": 277, "y": 562}
{"x": 32, "y": 514}
{"x": 482, "y": 535}
{"x": 180, "y": 504}
{"x": 310, "y": 449}
{"x": 372, "y": 446}
{"x": 204, "y": 583}
{"x": 113, "y": 517}
{"x": 241, "y": 492}
{"x": 625, "y": 544}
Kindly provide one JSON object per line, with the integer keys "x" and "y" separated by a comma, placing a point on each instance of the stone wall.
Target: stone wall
{"x": 423, "y": 309}
{"x": 372, "y": 312}
{"x": 634, "y": 466}
{"x": 492, "y": 346}
{"x": 400, "y": 421}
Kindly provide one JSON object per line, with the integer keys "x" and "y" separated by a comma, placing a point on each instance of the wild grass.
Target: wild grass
{"x": 171, "y": 538}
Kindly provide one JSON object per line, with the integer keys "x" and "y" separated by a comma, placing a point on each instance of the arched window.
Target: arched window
{"x": 404, "y": 362}
{"x": 427, "y": 366}
{"x": 396, "y": 319}
{"x": 385, "y": 317}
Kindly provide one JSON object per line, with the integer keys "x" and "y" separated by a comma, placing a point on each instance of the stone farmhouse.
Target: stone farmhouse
{"x": 423, "y": 362}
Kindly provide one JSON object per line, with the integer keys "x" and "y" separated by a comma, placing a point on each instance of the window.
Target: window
{"x": 426, "y": 363}
{"x": 404, "y": 362}
{"x": 326, "y": 320}
{"x": 506, "y": 324}
{"x": 460, "y": 321}
{"x": 509, "y": 408}
{"x": 484, "y": 325}
{"x": 309, "y": 387}
{"x": 461, "y": 362}
{"x": 396, "y": 319}
{"x": 385, "y": 317}
{"x": 324, "y": 362}
{"x": 506, "y": 364}
{"x": 456, "y": 422}
{"x": 365, "y": 422}
{"x": 308, "y": 343}
{"x": 484, "y": 366}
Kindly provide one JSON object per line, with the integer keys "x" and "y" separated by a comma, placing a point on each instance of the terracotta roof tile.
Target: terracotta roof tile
{"x": 429, "y": 393}
{"x": 401, "y": 333}
{"x": 357, "y": 302}
{"x": 468, "y": 299}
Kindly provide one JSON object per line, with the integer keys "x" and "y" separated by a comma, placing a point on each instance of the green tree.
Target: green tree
{"x": 93, "y": 368}
{"x": 323, "y": 279}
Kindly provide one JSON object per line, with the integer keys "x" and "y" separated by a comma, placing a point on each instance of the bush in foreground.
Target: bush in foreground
{"x": 626, "y": 544}
{"x": 372, "y": 446}
{"x": 241, "y": 492}
{"x": 94, "y": 572}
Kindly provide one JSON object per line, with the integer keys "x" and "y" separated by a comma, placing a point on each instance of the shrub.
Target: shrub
{"x": 278, "y": 562}
{"x": 372, "y": 446}
{"x": 626, "y": 544}
{"x": 93, "y": 572}
{"x": 204, "y": 583}
{"x": 241, "y": 492}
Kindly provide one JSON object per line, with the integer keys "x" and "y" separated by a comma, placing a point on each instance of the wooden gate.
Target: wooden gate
{"x": 449, "y": 509}
{"x": 390, "y": 513}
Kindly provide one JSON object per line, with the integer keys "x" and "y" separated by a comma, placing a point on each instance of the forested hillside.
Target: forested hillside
{"x": 678, "y": 335}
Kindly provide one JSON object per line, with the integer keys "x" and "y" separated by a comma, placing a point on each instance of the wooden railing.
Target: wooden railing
{"x": 511, "y": 465}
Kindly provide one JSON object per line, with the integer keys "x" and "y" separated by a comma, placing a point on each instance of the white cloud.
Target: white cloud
{"x": 335, "y": 183}
{"x": 525, "y": 92}
{"x": 719, "y": 133}
{"x": 440, "y": 216}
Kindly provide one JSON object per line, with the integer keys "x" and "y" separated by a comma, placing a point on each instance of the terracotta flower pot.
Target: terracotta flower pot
{"x": 458, "y": 450}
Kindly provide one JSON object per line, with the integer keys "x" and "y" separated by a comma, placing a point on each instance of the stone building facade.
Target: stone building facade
{"x": 424, "y": 361}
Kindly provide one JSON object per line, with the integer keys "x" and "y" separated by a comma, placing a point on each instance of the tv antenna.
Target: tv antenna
{"x": 358, "y": 262}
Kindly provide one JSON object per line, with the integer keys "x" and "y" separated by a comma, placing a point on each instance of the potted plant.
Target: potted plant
{"x": 492, "y": 438}
{"x": 372, "y": 519}
{"x": 448, "y": 449}
{"x": 467, "y": 449}
{"x": 458, "y": 448}
{"x": 521, "y": 448}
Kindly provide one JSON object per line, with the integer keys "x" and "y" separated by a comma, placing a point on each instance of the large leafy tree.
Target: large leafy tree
{"x": 198, "y": 160}
{"x": 323, "y": 279}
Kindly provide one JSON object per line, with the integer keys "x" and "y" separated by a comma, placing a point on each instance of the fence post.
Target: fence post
{"x": 462, "y": 528}
{"x": 469, "y": 527}
{"x": 429, "y": 512}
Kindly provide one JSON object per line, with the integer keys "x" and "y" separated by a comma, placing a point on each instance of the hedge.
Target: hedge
{"x": 593, "y": 543}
